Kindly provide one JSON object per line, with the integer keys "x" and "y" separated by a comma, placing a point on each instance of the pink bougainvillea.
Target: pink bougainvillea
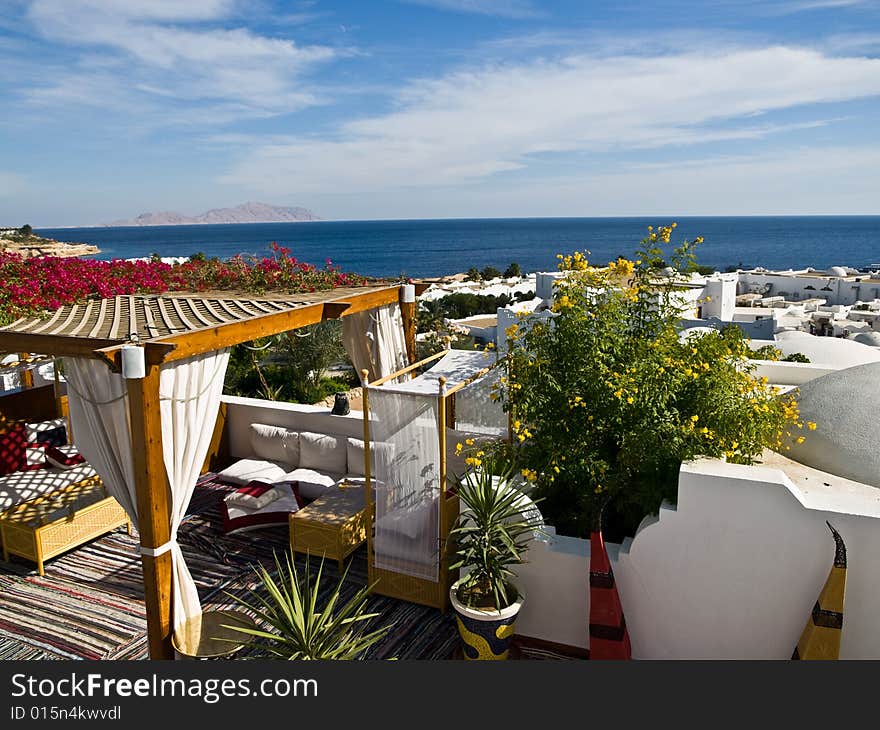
{"x": 34, "y": 285}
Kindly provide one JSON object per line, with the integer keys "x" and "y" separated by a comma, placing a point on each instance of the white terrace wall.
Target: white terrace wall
{"x": 242, "y": 412}
{"x": 735, "y": 570}
{"x": 732, "y": 572}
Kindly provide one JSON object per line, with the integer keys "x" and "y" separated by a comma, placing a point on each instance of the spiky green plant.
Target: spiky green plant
{"x": 296, "y": 627}
{"x": 491, "y": 534}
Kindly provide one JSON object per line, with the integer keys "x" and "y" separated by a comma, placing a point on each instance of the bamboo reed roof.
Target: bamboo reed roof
{"x": 207, "y": 318}
{"x": 152, "y": 316}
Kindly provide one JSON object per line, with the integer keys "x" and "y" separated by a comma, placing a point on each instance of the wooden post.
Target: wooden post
{"x": 443, "y": 558}
{"x": 408, "y": 314}
{"x": 441, "y": 417}
{"x": 153, "y": 502}
{"x": 27, "y": 375}
{"x": 368, "y": 497}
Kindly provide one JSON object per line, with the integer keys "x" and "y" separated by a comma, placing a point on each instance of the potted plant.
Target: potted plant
{"x": 491, "y": 535}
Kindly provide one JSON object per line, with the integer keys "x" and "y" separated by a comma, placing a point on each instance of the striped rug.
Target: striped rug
{"x": 89, "y": 605}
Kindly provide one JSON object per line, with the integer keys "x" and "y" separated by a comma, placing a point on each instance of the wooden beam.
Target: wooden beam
{"x": 421, "y": 287}
{"x": 155, "y": 353}
{"x": 410, "y": 368}
{"x": 59, "y": 345}
{"x": 188, "y": 344}
{"x": 408, "y": 315}
{"x": 154, "y": 506}
{"x": 334, "y": 310}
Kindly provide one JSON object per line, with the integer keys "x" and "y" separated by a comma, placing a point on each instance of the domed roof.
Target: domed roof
{"x": 836, "y": 271}
{"x": 844, "y": 407}
{"x": 832, "y": 351}
{"x": 871, "y": 339}
{"x": 697, "y": 330}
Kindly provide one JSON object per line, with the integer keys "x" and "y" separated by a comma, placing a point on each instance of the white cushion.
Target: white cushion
{"x": 275, "y": 443}
{"x": 312, "y": 484}
{"x": 19, "y": 486}
{"x": 323, "y": 452}
{"x": 35, "y": 455}
{"x": 411, "y": 522}
{"x": 355, "y": 451}
{"x": 248, "y": 470}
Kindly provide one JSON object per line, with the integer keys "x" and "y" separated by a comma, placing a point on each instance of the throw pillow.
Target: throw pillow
{"x": 254, "y": 495}
{"x": 13, "y": 449}
{"x": 64, "y": 457}
{"x": 323, "y": 452}
{"x": 355, "y": 449}
{"x": 35, "y": 458}
{"x": 246, "y": 470}
{"x": 355, "y": 453}
{"x": 239, "y": 519}
{"x": 275, "y": 443}
{"x": 312, "y": 484}
{"x": 53, "y": 432}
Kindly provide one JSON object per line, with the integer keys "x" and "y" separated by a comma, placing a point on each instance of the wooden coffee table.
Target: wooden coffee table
{"x": 334, "y": 525}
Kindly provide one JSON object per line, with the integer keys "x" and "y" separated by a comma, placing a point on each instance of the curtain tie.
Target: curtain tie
{"x": 162, "y": 549}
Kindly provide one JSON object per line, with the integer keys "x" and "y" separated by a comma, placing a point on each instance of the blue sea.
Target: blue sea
{"x": 425, "y": 248}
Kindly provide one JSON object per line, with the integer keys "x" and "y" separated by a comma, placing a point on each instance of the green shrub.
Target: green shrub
{"x": 607, "y": 401}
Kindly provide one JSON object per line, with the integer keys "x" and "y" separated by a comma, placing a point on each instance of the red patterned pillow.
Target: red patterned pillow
{"x": 276, "y": 512}
{"x": 64, "y": 457}
{"x": 13, "y": 449}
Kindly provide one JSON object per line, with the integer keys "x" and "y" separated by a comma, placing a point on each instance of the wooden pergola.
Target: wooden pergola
{"x": 173, "y": 327}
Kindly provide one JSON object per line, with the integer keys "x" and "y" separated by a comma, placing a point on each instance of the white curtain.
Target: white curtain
{"x": 476, "y": 412}
{"x": 98, "y": 404}
{"x": 374, "y": 340}
{"x": 405, "y": 453}
{"x": 189, "y": 398}
{"x": 189, "y": 392}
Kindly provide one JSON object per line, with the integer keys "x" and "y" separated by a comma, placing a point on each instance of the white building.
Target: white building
{"x": 837, "y": 285}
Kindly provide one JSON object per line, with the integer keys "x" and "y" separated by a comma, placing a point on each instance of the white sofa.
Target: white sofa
{"x": 317, "y": 462}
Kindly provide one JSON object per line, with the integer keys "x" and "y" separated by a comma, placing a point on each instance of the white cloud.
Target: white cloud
{"x": 854, "y": 43}
{"x": 798, "y": 6}
{"x": 503, "y": 8}
{"x": 834, "y": 180}
{"x": 164, "y": 48}
{"x": 471, "y": 125}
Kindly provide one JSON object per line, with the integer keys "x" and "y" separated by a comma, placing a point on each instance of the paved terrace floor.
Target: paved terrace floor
{"x": 89, "y": 604}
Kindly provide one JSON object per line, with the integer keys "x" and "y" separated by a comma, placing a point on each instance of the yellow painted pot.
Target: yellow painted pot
{"x": 485, "y": 634}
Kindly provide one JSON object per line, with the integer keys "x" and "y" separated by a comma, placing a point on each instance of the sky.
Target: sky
{"x": 375, "y": 109}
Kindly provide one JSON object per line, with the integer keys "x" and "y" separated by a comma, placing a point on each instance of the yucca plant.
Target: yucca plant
{"x": 491, "y": 533}
{"x": 296, "y": 627}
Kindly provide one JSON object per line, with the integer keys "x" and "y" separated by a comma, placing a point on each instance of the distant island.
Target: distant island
{"x": 250, "y": 212}
{"x": 25, "y": 243}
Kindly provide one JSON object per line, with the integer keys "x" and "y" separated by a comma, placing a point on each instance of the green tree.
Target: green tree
{"x": 304, "y": 355}
{"x": 607, "y": 401}
{"x": 473, "y": 274}
{"x": 512, "y": 270}
{"x": 490, "y": 272}
{"x": 26, "y": 231}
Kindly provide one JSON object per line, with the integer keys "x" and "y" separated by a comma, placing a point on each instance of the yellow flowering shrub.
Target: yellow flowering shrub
{"x": 606, "y": 401}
